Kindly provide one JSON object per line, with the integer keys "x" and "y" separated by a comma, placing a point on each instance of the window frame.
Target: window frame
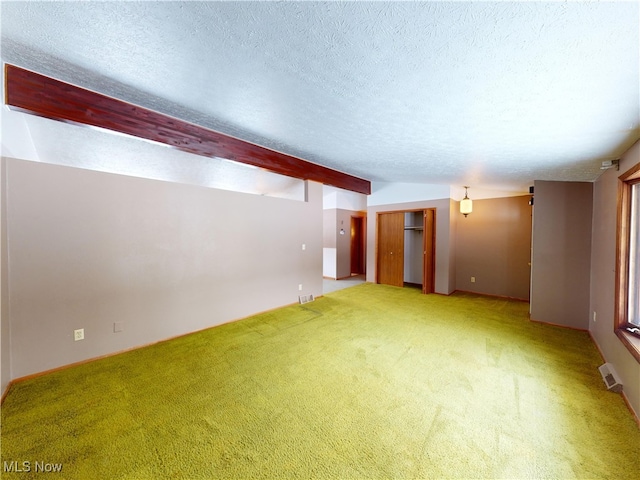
{"x": 626, "y": 181}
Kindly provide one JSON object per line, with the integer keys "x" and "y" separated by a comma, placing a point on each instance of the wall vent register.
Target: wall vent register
{"x": 610, "y": 377}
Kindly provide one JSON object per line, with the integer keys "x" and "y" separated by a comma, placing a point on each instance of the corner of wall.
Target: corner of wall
{"x": 5, "y": 327}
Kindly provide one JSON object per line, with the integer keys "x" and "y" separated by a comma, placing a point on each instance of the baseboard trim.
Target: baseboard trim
{"x": 597, "y": 346}
{"x": 628, "y": 404}
{"x": 120, "y": 352}
{"x": 504, "y": 297}
{"x": 6, "y": 391}
{"x": 624, "y": 396}
{"x": 559, "y": 325}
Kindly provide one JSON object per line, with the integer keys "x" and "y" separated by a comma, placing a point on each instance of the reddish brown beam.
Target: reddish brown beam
{"x": 44, "y": 96}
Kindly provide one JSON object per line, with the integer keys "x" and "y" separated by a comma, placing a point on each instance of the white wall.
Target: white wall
{"x": 388, "y": 193}
{"x": 338, "y": 198}
{"x": 87, "y": 249}
{"x": 329, "y": 263}
{"x": 16, "y": 137}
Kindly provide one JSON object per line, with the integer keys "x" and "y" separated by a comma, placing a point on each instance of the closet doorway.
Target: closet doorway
{"x": 406, "y": 249}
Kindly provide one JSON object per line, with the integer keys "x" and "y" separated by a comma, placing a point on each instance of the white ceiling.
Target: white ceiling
{"x": 459, "y": 93}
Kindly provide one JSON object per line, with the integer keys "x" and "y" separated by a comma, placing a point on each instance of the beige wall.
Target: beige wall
{"x": 493, "y": 244}
{"x": 560, "y": 276}
{"x": 5, "y": 332}
{"x": 603, "y": 267}
{"x": 87, "y": 249}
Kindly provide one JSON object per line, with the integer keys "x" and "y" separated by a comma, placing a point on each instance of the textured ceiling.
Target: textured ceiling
{"x": 486, "y": 94}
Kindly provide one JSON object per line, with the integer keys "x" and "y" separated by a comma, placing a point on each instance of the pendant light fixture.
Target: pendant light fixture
{"x": 466, "y": 205}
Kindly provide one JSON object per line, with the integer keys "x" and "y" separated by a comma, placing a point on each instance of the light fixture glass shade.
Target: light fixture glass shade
{"x": 466, "y": 206}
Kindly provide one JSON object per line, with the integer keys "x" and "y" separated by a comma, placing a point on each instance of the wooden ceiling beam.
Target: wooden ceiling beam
{"x": 40, "y": 95}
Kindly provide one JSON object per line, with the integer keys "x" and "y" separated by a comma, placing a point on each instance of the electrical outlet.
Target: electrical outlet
{"x": 304, "y": 246}
{"x": 594, "y": 315}
{"x": 118, "y": 327}
{"x": 473, "y": 279}
{"x": 300, "y": 287}
{"x": 78, "y": 334}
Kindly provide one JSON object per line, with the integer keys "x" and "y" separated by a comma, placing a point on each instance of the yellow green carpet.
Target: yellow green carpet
{"x": 371, "y": 382}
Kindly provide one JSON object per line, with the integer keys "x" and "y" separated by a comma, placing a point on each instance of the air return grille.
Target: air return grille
{"x": 306, "y": 298}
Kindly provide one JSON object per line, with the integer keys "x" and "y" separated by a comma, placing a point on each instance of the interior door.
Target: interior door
{"x": 390, "y": 264}
{"x": 429, "y": 280}
{"x": 357, "y": 246}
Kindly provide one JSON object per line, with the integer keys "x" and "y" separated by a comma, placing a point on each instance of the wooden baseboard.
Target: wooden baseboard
{"x": 597, "y": 347}
{"x": 559, "y": 325}
{"x": 504, "y": 297}
{"x": 633, "y": 412}
{"x": 6, "y": 391}
{"x": 624, "y": 396}
{"x": 119, "y": 352}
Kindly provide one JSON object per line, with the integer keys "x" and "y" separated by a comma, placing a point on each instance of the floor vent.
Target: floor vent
{"x": 610, "y": 377}
{"x": 306, "y": 298}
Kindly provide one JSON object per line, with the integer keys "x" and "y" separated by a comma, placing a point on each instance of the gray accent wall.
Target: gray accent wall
{"x": 603, "y": 268}
{"x": 493, "y": 245}
{"x": 88, "y": 249}
{"x": 560, "y": 279}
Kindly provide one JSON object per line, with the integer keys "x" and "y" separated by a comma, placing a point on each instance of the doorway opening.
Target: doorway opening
{"x": 358, "y": 248}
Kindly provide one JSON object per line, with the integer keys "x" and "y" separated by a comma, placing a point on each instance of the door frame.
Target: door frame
{"x": 429, "y": 246}
{"x": 429, "y": 251}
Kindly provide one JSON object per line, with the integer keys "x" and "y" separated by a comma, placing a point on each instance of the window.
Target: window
{"x": 633, "y": 313}
{"x": 627, "y": 315}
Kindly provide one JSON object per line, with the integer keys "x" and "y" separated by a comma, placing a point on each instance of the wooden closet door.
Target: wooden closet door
{"x": 390, "y": 268}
